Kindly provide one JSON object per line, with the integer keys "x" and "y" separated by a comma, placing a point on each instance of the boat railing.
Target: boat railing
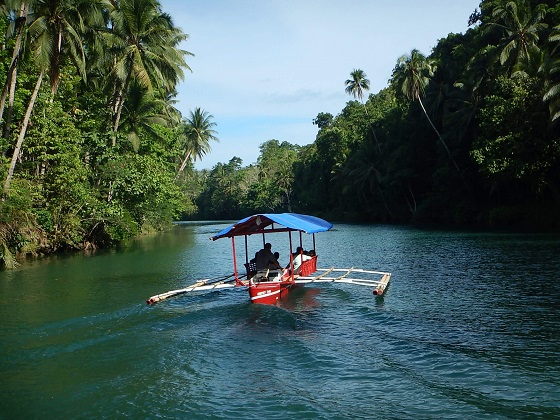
{"x": 308, "y": 266}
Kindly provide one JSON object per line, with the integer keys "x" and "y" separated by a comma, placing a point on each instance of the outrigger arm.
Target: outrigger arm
{"x": 361, "y": 279}
{"x": 199, "y": 286}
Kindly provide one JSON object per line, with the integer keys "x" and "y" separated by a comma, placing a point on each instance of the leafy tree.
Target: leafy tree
{"x": 54, "y": 150}
{"x": 276, "y": 175}
{"x": 323, "y": 120}
{"x": 222, "y": 198}
{"x": 510, "y": 144}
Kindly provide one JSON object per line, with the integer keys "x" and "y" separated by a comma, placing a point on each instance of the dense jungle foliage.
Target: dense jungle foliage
{"x": 94, "y": 151}
{"x": 468, "y": 136}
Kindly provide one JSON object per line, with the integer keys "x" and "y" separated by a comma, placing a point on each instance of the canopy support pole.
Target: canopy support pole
{"x": 234, "y": 259}
{"x": 314, "y": 247}
{"x": 291, "y": 257}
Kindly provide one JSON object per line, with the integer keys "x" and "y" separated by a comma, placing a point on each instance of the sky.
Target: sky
{"x": 264, "y": 69}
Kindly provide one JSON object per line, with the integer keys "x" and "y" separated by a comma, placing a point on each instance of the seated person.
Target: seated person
{"x": 298, "y": 260}
{"x": 299, "y": 250}
{"x": 272, "y": 265}
{"x": 265, "y": 258}
{"x": 299, "y": 256}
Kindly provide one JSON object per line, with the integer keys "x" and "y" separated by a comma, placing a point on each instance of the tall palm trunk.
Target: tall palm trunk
{"x": 21, "y": 136}
{"x": 120, "y": 104}
{"x": 439, "y": 136}
{"x": 412, "y": 206}
{"x": 9, "y": 86}
{"x": 9, "y": 111}
{"x": 55, "y": 66}
{"x": 371, "y": 128}
{"x": 183, "y": 164}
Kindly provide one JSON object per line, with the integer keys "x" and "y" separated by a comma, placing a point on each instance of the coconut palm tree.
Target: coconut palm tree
{"x": 355, "y": 86}
{"x": 552, "y": 94}
{"x": 357, "y": 83}
{"x": 17, "y": 10}
{"x": 520, "y": 26}
{"x": 197, "y": 132}
{"x": 461, "y": 108}
{"x": 412, "y": 75}
{"x": 143, "y": 44}
{"x": 361, "y": 174}
{"x": 55, "y": 31}
{"x": 141, "y": 113}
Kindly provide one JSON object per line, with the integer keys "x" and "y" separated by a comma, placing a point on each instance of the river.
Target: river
{"x": 469, "y": 328}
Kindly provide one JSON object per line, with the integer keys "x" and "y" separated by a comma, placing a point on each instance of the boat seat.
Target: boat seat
{"x": 273, "y": 274}
{"x": 251, "y": 268}
{"x": 267, "y": 275}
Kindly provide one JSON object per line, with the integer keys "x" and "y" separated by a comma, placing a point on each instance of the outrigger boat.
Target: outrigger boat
{"x": 268, "y": 286}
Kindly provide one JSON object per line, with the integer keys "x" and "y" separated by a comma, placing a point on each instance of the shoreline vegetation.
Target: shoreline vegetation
{"x": 94, "y": 151}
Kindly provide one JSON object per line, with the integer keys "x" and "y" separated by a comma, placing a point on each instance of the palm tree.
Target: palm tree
{"x": 54, "y": 32}
{"x": 520, "y": 26}
{"x": 357, "y": 83}
{"x": 361, "y": 173}
{"x": 57, "y": 31}
{"x": 461, "y": 107}
{"x": 553, "y": 69}
{"x": 141, "y": 113}
{"x": 197, "y": 132}
{"x": 144, "y": 45}
{"x": 355, "y": 86}
{"x": 21, "y": 135}
{"x": 412, "y": 74}
{"x": 19, "y": 23}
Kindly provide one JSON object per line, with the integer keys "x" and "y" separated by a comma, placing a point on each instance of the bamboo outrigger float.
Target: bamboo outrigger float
{"x": 267, "y": 286}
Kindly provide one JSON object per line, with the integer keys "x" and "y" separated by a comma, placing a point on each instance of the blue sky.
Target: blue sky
{"x": 265, "y": 68}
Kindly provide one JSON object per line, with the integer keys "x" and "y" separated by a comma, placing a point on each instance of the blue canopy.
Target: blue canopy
{"x": 264, "y": 223}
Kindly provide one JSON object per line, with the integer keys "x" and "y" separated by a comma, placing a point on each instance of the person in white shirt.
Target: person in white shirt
{"x": 299, "y": 258}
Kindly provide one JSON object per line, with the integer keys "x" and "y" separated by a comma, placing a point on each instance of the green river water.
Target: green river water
{"x": 468, "y": 329}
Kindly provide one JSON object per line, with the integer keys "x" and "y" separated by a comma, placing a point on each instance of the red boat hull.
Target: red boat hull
{"x": 269, "y": 293}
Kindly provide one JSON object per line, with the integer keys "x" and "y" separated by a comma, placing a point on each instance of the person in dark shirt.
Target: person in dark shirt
{"x": 266, "y": 259}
